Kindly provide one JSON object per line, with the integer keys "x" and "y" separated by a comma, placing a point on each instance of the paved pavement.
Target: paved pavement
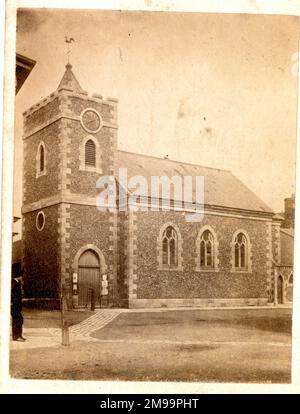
{"x": 49, "y": 337}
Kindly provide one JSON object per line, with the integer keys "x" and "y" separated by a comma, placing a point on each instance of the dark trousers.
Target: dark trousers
{"x": 17, "y": 324}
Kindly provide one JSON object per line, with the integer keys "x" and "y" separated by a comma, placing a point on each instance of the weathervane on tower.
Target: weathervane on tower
{"x": 69, "y": 41}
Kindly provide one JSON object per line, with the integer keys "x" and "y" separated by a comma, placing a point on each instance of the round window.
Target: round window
{"x": 40, "y": 221}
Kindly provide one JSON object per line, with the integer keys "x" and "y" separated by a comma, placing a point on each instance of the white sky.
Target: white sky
{"x": 212, "y": 89}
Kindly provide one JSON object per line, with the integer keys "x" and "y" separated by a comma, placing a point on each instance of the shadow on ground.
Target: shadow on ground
{"x": 251, "y": 346}
{"x": 37, "y": 318}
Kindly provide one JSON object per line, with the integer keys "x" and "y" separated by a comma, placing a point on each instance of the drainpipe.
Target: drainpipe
{"x": 275, "y": 287}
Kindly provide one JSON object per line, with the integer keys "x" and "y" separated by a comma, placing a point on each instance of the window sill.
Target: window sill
{"x": 91, "y": 169}
{"x": 211, "y": 270}
{"x": 171, "y": 269}
{"x": 240, "y": 271}
{"x": 41, "y": 174}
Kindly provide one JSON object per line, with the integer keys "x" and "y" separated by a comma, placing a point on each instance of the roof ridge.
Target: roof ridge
{"x": 175, "y": 161}
{"x": 252, "y": 192}
{"x": 218, "y": 179}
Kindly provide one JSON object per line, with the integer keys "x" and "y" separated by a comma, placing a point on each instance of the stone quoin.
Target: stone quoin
{"x": 131, "y": 258}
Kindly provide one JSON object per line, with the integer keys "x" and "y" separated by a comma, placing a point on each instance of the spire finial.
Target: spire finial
{"x": 69, "y": 41}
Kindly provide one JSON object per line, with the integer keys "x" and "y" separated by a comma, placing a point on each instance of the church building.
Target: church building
{"x": 132, "y": 258}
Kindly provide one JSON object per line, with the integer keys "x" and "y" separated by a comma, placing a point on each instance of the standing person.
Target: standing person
{"x": 16, "y": 307}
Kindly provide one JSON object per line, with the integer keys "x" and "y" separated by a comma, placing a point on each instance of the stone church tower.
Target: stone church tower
{"x": 70, "y": 139}
{"x": 134, "y": 257}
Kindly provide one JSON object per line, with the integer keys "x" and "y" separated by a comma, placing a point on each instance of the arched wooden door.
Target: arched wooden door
{"x": 89, "y": 278}
{"x": 280, "y": 290}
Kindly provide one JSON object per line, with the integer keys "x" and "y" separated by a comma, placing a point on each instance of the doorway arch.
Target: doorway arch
{"x": 90, "y": 266}
{"x": 280, "y": 289}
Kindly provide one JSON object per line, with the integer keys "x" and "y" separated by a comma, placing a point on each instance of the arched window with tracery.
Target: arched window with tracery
{"x": 207, "y": 250}
{"x": 240, "y": 251}
{"x": 170, "y": 247}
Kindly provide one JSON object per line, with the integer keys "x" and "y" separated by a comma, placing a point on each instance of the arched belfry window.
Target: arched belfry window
{"x": 41, "y": 160}
{"x": 241, "y": 256}
{"x": 169, "y": 248}
{"x": 207, "y": 250}
{"x": 90, "y": 153}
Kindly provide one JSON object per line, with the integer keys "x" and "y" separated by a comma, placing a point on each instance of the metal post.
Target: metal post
{"x": 92, "y": 300}
{"x": 65, "y": 340}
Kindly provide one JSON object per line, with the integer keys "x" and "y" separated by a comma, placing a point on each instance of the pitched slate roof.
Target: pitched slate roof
{"x": 288, "y": 232}
{"x": 221, "y": 187}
